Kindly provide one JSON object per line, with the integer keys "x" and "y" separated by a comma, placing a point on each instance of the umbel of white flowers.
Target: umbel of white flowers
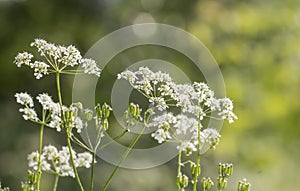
{"x": 58, "y": 161}
{"x": 196, "y": 102}
{"x": 57, "y": 58}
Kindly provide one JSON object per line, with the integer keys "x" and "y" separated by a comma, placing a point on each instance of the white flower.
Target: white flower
{"x": 226, "y": 107}
{"x": 23, "y": 58}
{"x": 66, "y": 170}
{"x": 161, "y": 135}
{"x": 84, "y": 160}
{"x": 24, "y": 98}
{"x": 159, "y": 102}
{"x": 55, "y": 122}
{"x": 50, "y": 152}
{"x": 70, "y": 56}
{"x": 185, "y": 124}
{"x": 211, "y": 136}
{"x": 46, "y": 101}
{"x": 78, "y": 123}
{"x": 33, "y": 160}
{"x": 29, "y": 113}
{"x": 90, "y": 66}
{"x": 40, "y": 69}
{"x": 187, "y": 147}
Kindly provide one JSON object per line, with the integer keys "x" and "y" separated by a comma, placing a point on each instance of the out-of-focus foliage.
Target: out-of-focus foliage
{"x": 256, "y": 44}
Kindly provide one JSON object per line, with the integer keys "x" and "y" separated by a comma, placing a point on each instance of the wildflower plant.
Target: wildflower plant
{"x": 186, "y": 129}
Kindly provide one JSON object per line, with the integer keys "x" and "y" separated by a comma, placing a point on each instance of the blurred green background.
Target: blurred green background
{"x": 255, "y": 43}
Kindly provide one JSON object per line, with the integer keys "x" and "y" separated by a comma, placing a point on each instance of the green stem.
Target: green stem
{"x": 92, "y": 172}
{"x": 123, "y": 158}
{"x": 56, "y": 182}
{"x": 198, "y": 157}
{"x": 73, "y": 164}
{"x": 57, "y": 79}
{"x": 39, "y": 171}
{"x": 179, "y": 168}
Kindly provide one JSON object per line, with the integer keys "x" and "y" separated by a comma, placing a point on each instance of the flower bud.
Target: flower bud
{"x": 98, "y": 111}
{"x": 106, "y": 110}
{"x": 105, "y": 124}
{"x": 148, "y": 114}
{"x": 195, "y": 169}
{"x": 225, "y": 170}
{"x": 243, "y": 185}
{"x": 135, "y": 110}
{"x": 182, "y": 181}
{"x": 207, "y": 183}
{"x": 221, "y": 183}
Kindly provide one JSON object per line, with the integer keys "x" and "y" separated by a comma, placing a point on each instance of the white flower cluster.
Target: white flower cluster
{"x": 58, "y": 58}
{"x": 58, "y": 161}
{"x": 197, "y": 98}
{"x": 53, "y": 109}
{"x": 183, "y": 130}
{"x": 196, "y": 101}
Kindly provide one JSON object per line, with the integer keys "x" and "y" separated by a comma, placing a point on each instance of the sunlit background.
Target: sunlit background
{"x": 256, "y": 44}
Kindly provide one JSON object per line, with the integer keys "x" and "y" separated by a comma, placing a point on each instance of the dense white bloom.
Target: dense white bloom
{"x": 55, "y": 123}
{"x": 90, "y": 66}
{"x": 50, "y": 152}
{"x": 210, "y": 136}
{"x": 29, "y": 114}
{"x": 60, "y": 160}
{"x": 23, "y": 58}
{"x": 182, "y": 94}
{"x": 187, "y": 147}
{"x": 24, "y": 98}
{"x": 161, "y": 135}
{"x": 159, "y": 102}
{"x": 33, "y": 159}
{"x": 70, "y": 56}
{"x": 78, "y": 123}
{"x": 84, "y": 160}
{"x": 65, "y": 170}
{"x": 226, "y": 107}
{"x": 184, "y": 124}
{"x": 154, "y": 85}
{"x": 40, "y": 69}
{"x": 46, "y": 101}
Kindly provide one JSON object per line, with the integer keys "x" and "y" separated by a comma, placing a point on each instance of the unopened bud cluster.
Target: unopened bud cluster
{"x": 243, "y": 185}
{"x": 224, "y": 171}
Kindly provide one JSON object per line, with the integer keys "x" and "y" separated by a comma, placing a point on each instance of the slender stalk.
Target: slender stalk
{"x": 124, "y": 156}
{"x": 68, "y": 138}
{"x": 73, "y": 164}
{"x": 179, "y": 168}
{"x": 56, "y": 182}
{"x": 92, "y": 172}
{"x": 57, "y": 79}
{"x": 39, "y": 171}
{"x": 198, "y": 157}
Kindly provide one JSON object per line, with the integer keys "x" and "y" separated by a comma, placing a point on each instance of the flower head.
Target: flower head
{"x": 23, "y": 58}
{"x": 24, "y": 98}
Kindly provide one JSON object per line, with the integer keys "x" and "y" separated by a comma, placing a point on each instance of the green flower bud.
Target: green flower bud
{"x": 225, "y": 170}
{"x": 98, "y": 111}
{"x": 106, "y": 110}
{"x": 195, "y": 169}
{"x": 105, "y": 124}
{"x": 135, "y": 110}
{"x": 148, "y": 114}
{"x": 207, "y": 183}
{"x": 221, "y": 183}
{"x": 182, "y": 181}
{"x": 243, "y": 185}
